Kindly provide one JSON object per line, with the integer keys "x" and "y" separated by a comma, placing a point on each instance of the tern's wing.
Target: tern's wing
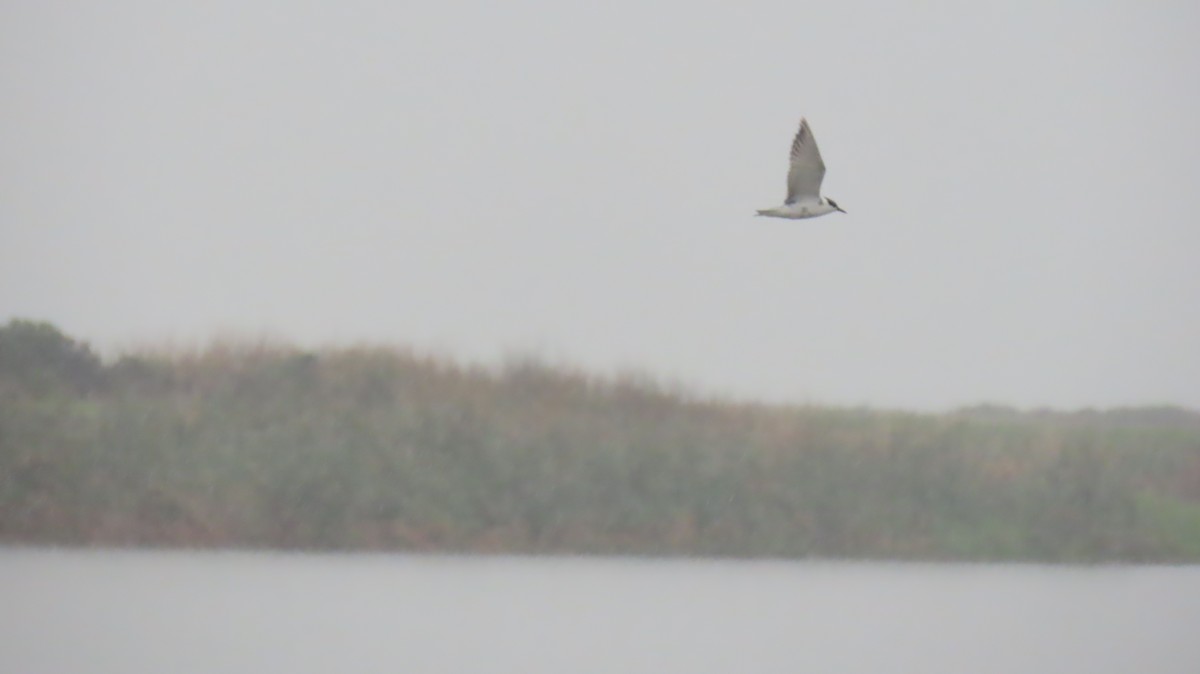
{"x": 807, "y": 170}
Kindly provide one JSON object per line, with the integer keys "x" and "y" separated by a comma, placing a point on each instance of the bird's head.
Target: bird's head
{"x": 833, "y": 203}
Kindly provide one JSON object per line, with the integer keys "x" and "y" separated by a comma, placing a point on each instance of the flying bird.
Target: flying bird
{"x": 805, "y": 173}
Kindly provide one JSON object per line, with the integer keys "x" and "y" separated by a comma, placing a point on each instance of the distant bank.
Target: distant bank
{"x": 252, "y": 445}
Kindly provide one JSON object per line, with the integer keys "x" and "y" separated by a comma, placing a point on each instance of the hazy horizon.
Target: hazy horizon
{"x": 579, "y": 184}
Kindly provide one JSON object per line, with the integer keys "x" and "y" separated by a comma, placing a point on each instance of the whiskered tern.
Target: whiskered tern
{"x": 805, "y": 173}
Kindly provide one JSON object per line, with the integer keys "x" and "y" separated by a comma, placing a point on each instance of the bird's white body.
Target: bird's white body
{"x": 806, "y": 171}
{"x": 807, "y": 208}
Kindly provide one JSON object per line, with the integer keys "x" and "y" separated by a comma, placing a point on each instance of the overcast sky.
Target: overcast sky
{"x": 579, "y": 181}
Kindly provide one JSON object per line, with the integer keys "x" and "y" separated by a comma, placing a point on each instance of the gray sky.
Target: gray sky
{"x": 479, "y": 178}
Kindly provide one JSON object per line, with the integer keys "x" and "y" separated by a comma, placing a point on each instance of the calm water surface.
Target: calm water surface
{"x": 129, "y": 612}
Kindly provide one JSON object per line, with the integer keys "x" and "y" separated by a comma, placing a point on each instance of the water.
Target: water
{"x": 128, "y": 612}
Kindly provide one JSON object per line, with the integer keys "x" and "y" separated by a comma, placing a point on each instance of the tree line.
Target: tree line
{"x": 262, "y": 445}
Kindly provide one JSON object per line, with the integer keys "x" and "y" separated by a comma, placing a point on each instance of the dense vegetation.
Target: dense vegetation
{"x": 377, "y": 448}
